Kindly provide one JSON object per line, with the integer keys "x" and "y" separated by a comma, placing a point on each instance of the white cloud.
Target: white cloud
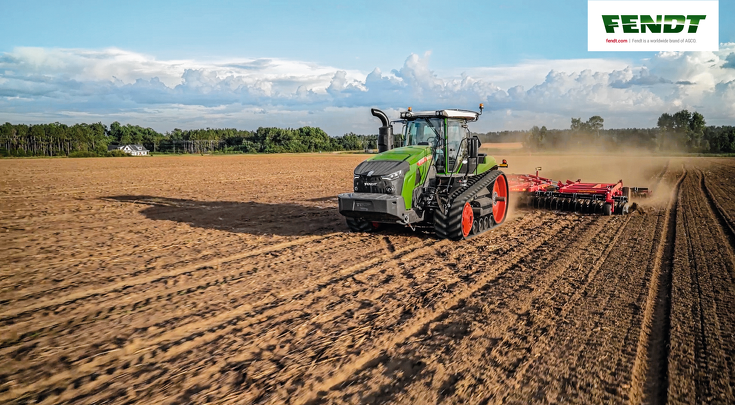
{"x": 70, "y": 85}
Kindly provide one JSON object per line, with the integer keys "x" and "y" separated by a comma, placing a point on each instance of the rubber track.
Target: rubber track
{"x": 449, "y": 225}
{"x": 649, "y": 383}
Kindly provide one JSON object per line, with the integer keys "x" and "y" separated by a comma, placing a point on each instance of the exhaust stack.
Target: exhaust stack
{"x": 385, "y": 133}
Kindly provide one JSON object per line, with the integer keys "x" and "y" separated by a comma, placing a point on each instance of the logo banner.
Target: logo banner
{"x": 653, "y": 26}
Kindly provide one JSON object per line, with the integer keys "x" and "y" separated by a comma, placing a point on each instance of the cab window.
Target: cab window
{"x": 424, "y": 131}
{"x": 455, "y": 152}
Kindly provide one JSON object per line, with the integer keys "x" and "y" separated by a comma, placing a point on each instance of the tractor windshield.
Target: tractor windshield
{"x": 424, "y": 131}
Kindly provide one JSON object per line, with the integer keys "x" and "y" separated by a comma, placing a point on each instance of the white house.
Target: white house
{"x": 135, "y": 150}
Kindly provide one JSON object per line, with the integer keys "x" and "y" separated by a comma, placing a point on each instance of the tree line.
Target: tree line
{"x": 683, "y": 131}
{"x": 97, "y": 139}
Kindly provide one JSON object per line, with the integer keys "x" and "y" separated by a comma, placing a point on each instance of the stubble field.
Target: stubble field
{"x": 235, "y": 280}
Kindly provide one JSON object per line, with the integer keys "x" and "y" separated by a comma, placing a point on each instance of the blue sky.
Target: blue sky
{"x": 185, "y": 64}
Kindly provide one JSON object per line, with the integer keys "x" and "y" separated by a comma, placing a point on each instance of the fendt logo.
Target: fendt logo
{"x": 671, "y": 24}
{"x": 652, "y": 26}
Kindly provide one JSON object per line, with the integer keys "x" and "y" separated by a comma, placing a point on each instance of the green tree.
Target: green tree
{"x": 596, "y": 123}
{"x": 695, "y": 132}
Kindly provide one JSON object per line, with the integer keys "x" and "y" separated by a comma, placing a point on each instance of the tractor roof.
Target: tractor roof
{"x": 465, "y": 114}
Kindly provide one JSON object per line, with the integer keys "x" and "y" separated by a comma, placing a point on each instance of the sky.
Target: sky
{"x": 195, "y": 64}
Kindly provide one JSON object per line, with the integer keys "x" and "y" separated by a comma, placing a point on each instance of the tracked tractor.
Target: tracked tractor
{"x": 435, "y": 178}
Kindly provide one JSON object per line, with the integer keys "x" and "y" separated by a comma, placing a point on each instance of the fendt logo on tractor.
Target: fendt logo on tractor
{"x": 652, "y": 26}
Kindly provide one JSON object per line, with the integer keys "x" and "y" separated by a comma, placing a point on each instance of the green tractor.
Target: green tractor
{"x": 435, "y": 179}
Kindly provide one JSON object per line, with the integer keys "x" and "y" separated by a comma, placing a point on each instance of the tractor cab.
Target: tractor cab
{"x": 447, "y": 133}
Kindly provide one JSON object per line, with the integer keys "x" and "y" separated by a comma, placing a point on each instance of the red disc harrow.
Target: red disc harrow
{"x": 532, "y": 190}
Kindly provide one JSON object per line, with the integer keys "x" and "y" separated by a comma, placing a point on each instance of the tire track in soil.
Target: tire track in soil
{"x": 161, "y": 274}
{"x": 11, "y": 276}
{"x": 315, "y": 391}
{"x": 177, "y": 343}
{"x": 701, "y": 365}
{"x": 81, "y": 295}
{"x": 460, "y": 351}
{"x": 722, "y": 216}
{"x": 42, "y": 263}
{"x": 649, "y": 382}
{"x": 657, "y": 178}
{"x": 327, "y": 365}
{"x": 73, "y": 316}
{"x": 146, "y": 300}
{"x": 564, "y": 355}
{"x": 184, "y": 338}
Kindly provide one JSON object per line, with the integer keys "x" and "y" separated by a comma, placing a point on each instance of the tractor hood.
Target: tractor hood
{"x": 408, "y": 154}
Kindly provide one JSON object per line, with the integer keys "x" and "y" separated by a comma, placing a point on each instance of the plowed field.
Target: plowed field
{"x": 235, "y": 280}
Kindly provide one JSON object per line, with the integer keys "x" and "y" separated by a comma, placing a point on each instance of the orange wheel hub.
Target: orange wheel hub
{"x": 468, "y": 217}
{"x": 500, "y": 193}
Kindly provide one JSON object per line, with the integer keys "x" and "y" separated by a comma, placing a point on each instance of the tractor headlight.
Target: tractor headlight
{"x": 392, "y": 176}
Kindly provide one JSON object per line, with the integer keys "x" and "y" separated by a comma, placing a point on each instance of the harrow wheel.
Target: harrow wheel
{"x": 607, "y": 209}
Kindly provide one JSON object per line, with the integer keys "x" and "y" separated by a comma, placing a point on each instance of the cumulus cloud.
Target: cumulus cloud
{"x": 41, "y": 85}
{"x": 729, "y": 61}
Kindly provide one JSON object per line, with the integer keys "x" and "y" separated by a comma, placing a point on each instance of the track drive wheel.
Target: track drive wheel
{"x": 456, "y": 224}
{"x": 468, "y": 220}
{"x": 361, "y": 225}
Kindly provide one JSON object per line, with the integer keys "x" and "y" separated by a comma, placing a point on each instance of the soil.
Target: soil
{"x": 210, "y": 279}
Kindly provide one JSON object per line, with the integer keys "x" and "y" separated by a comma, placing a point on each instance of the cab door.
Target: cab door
{"x": 455, "y": 149}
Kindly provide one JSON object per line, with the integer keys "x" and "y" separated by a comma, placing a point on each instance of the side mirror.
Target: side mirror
{"x": 473, "y": 150}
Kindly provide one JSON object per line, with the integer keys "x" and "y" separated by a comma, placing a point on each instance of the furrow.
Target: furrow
{"x": 188, "y": 336}
{"x": 166, "y": 295}
{"x": 13, "y": 313}
{"x": 649, "y": 382}
{"x": 324, "y": 246}
{"x": 721, "y": 214}
{"x": 317, "y": 389}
